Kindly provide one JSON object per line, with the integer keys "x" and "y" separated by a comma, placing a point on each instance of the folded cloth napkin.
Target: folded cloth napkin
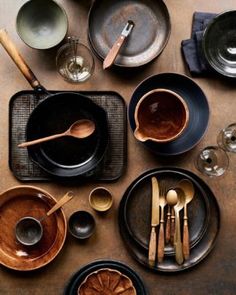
{"x": 191, "y": 48}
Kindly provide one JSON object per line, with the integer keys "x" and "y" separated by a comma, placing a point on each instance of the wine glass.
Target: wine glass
{"x": 212, "y": 161}
{"x": 74, "y": 61}
{"x": 226, "y": 139}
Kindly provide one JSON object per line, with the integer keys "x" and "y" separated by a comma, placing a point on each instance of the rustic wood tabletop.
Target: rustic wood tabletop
{"x": 216, "y": 273}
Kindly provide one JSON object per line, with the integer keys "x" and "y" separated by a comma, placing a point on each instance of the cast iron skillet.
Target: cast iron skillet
{"x": 65, "y": 157}
{"x": 148, "y": 38}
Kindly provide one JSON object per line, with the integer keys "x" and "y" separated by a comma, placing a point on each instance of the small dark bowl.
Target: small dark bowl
{"x": 219, "y": 43}
{"x": 42, "y": 24}
{"x": 81, "y": 224}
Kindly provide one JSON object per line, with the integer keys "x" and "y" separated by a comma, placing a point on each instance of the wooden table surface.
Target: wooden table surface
{"x": 216, "y": 274}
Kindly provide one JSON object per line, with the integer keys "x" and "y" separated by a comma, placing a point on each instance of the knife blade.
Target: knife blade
{"x": 155, "y": 220}
{"x": 112, "y": 54}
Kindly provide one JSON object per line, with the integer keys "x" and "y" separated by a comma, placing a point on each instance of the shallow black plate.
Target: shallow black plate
{"x": 137, "y": 208}
{"x": 201, "y": 249}
{"x": 67, "y": 156}
{"x": 198, "y": 111}
{"x": 78, "y": 277}
{"x": 219, "y": 43}
{"x": 148, "y": 38}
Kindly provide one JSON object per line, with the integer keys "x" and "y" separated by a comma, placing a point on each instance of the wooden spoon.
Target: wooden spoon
{"x": 187, "y": 187}
{"x": 79, "y": 129}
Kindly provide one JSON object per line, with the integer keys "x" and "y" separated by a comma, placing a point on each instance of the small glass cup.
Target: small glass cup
{"x": 226, "y": 139}
{"x": 212, "y": 161}
{"x": 74, "y": 61}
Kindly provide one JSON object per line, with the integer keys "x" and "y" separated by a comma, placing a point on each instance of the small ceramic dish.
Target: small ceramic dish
{"x": 81, "y": 224}
{"x": 219, "y": 44}
{"x": 41, "y": 24}
{"x": 100, "y": 199}
{"x": 107, "y": 281}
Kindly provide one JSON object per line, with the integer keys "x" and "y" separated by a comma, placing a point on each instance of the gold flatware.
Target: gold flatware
{"x": 177, "y": 238}
{"x": 168, "y": 224}
{"x": 172, "y": 200}
{"x": 161, "y": 237}
{"x": 155, "y": 219}
{"x": 187, "y": 187}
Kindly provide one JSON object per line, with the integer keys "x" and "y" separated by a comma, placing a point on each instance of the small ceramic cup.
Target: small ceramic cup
{"x": 81, "y": 224}
{"x": 28, "y": 231}
{"x": 100, "y": 199}
{"x": 161, "y": 115}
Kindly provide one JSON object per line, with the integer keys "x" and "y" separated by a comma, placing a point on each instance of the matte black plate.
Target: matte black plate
{"x": 137, "y": 209}
{"x": 147, "y": 39}
{"x": 219, "y": 43}
{"x": 67, "y": 156}
{"x": 78, "y": 277}
{"x": 200, "y": 250}
{"x": 198, "y": 111}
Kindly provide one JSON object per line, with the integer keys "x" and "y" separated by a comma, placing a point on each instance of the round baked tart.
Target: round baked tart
{"x": 106, "y": 281}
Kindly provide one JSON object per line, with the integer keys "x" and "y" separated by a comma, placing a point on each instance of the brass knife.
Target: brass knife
{"x": 155, "y": 220}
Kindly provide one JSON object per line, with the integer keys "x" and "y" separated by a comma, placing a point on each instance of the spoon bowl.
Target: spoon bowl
{"x": 79, "y": 129}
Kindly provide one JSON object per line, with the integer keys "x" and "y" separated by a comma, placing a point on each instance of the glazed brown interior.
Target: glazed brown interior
{"x": 162, "y": 115}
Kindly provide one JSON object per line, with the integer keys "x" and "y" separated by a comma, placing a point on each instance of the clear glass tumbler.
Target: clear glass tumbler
{"x": 74, "y": 61}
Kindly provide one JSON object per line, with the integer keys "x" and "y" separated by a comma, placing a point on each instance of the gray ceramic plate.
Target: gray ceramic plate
{"x": 219, "y": 43}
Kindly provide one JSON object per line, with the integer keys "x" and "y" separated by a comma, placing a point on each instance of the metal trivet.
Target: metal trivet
{"x": 111, "y": 168}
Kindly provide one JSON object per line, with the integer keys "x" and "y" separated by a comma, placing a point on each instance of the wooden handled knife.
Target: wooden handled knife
{"x": 112, "y": 54}
{"x": 155, "y": 220}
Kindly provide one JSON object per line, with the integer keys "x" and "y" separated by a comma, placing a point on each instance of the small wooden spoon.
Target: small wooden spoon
{"x": 79, "y": 129}
{"x": 187, "y": 187}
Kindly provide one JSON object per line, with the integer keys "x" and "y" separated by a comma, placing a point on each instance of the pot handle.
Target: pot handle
{"x": 11, "y": 49}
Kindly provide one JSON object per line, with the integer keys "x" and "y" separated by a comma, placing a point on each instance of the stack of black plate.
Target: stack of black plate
{"x": 135, "y": 219}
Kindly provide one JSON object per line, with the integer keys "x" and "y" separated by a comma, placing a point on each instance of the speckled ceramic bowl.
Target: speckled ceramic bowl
{"x": 41, "y": 24}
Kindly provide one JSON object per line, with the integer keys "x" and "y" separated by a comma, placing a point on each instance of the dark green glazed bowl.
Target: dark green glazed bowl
{"x": 219, "y": 43}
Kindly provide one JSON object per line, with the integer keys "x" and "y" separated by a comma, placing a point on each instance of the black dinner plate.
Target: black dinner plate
{"x": 148, "y": 38}
{"x": 219, "y": 43}
{"x": 79, "y": 276}
{"x": 199, "y": 251}
{"x": 137, "y": 208}
{"x": 196, "y": 102}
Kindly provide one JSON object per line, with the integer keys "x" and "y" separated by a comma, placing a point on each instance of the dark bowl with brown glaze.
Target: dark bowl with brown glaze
{"x": 161, "y": 115}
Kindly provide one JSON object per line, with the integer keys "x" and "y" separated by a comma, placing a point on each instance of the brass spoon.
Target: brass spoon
{"x": 187, "y": 187}
{"x": 172, "y": 200}
{"x": 161, "y": 239}
{"x": 79, "y": 129}
{"x": 172, "y": 195}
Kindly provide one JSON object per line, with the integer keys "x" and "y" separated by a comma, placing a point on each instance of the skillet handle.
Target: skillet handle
{"x": 11, "y": 49}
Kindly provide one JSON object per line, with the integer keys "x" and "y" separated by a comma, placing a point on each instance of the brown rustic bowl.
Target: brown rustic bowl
{"x": 100, "y": 199}
{"x": 161, "y": 115}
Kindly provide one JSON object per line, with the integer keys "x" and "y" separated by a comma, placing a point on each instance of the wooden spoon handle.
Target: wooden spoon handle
{"x": 186, "y": 239}
{"x": 152, "y": 247}
{"x": 168, "y": 225}
{"x": 161, "y": 242}
{"x": 172, "y": 227}
{"x": 40, "y": 140}
{"x": 66, "y": 198}
{"x": 178, "y": 244}
{"x": 18, "y": 59}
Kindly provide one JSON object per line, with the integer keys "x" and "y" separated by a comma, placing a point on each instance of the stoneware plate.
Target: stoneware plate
{"x": 21, "y": 201}
{"x": 205, "y": 238}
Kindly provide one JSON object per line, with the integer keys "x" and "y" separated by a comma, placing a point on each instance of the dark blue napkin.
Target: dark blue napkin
{"x": 191, "y": 48}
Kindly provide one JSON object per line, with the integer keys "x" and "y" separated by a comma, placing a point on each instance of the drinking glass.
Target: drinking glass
{"x": 74, "y": 61}
{"x": 212, "y": 161}
{"x": 226, "y": 139}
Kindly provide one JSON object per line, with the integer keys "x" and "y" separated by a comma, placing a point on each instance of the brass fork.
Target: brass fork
{"x": 161, "y": 236}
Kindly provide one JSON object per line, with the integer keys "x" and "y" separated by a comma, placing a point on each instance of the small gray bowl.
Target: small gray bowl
{"x": 42, "y": 24}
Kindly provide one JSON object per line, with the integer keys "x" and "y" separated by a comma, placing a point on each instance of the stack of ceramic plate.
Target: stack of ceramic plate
{"x": 135, "y": 219}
